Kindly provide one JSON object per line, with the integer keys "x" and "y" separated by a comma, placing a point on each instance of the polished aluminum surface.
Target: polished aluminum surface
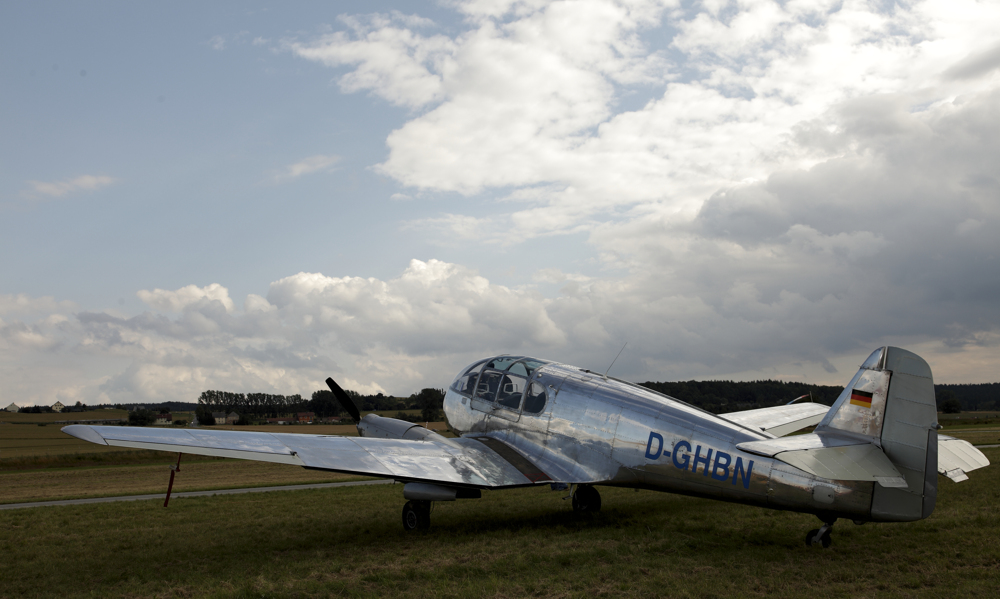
{"x": 463, "y": 462}
{"x": 781, "y": 420}
{"x": 957, "y": 457}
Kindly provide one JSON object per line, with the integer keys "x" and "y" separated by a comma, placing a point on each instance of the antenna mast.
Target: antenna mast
{"x": 613, "y": 361}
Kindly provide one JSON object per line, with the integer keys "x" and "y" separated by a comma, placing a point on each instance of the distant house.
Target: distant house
{"x": 305, "y": 417}
{"x": 58, "y": 407}
{"x": 223, "y": 418}
{"x": 164, "y": 419}
{"x": 11, "y": 408}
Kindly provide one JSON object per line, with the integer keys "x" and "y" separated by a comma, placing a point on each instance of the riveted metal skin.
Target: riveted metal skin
{"x": 597, "y": 430}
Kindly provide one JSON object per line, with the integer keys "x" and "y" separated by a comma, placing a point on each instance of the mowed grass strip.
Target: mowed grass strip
{"x": 203, "y": 475}
{"x": 348, "y": 542}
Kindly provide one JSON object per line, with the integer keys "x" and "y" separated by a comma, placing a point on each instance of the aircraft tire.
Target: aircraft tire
{"x": 825, "y": 540}
{"x": 586, "y": 499}
{"x": 416, "y": 515}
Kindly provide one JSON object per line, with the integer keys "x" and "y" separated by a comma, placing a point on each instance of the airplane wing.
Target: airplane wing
{"x": 462, "y": 462}
{"x": 780, "y": 420}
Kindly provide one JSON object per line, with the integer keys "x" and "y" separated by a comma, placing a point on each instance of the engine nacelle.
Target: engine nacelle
{"x": 380, "y": 427}
{"x": 429, "y": 492}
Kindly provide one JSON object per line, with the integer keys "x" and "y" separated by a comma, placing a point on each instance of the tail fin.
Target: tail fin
{"x": 890, "y": 402}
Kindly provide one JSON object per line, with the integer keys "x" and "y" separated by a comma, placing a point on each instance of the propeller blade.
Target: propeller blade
{"x": 345, "y": 400}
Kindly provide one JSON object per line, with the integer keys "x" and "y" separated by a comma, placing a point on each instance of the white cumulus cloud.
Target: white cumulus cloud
{"x": 309, "y": 165}
{"x": 57, "y": 189}
{"x": 185, "y": 297}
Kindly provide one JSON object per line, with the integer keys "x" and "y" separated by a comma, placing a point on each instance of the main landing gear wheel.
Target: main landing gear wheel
{"x": 586, "y": 499}
{"x": 416, "y": 515}
{"x": 820, "y": 536}
{"x": 813, "y": 538}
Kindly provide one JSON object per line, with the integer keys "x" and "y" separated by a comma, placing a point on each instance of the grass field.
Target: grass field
{"x": 349, "y": 542}
{"x": 195, "y": 475}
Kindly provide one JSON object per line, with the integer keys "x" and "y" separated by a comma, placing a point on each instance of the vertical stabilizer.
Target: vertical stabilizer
{"x": 860, "y": 410}
{"x": 890, "y": 402}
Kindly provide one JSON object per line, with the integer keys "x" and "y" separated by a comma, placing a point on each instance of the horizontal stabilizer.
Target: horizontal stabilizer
{"x": 957, "y": 457}
{"x": 780, "y": 420}
{"x": 831, "y": 457}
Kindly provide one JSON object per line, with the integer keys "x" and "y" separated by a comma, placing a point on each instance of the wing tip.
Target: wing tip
{"x": 84, "y": 433}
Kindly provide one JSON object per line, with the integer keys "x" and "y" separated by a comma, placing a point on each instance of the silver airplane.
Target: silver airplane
{"x": 874, "y": 456}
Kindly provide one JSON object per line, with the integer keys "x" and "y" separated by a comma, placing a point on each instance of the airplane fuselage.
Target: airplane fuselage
{"x": 597, "y": 428}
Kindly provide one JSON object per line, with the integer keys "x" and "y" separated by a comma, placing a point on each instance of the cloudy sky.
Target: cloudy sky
{"x": 254, "y": 196}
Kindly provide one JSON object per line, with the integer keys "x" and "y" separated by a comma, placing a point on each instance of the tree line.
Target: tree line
{"x": 729, "y": 396}
{"x": 260, "y": 406}
{"x": 968, "y": 397}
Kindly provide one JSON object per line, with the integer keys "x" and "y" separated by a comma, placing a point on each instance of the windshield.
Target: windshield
{"x": 465, "y": 382}
{"x": 516, "y": 368}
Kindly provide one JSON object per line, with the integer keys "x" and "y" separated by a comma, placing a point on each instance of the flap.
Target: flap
{"x": 780, "y": 420}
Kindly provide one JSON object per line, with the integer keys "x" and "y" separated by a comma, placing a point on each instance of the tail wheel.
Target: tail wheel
{"x": 586, "y": 499}
{"x": 416, "y": 515}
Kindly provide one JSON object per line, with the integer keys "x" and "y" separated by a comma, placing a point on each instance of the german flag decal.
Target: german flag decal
{"x": 861, "y": 398}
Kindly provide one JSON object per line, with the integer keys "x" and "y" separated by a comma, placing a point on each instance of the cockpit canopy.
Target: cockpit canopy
{"x": 504, "y": 380}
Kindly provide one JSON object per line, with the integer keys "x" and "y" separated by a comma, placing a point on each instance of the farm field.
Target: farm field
{"x": 349, "y": 542}
{"x": 19, "y": 417}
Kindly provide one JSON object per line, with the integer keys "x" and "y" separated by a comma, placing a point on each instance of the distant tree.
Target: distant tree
{"x": 141, "y": 417}
{"x": 204, "y": 416}
{"x": 324, "y": 404}
{"x": 947, "y": 402}
{"x": 951, "y": 406}
{"x": 180, "y": 422}
{"x": 431, "y": 404}
{"x": 404, "y": 416}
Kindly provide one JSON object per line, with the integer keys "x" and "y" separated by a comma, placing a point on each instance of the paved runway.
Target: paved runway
{"x": 14, "y": 506}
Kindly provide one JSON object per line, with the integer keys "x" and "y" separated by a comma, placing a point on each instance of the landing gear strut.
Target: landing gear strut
{"x": 416, "y": 515}
{"x": 586, "y": 499}
{"x": 821, "y": 535}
